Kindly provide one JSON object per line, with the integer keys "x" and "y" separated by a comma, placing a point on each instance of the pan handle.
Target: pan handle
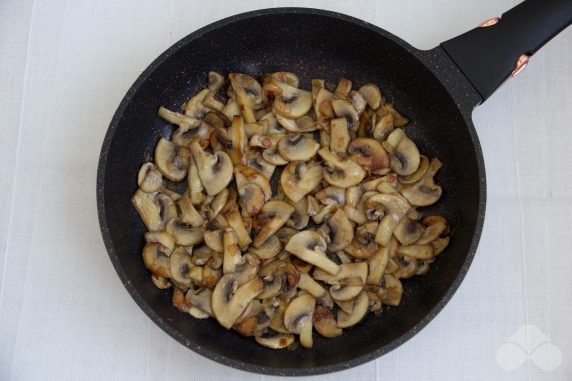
{"x": 500, "y": 47}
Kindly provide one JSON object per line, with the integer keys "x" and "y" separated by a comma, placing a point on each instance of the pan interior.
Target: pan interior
{"x": 312, "y": 46}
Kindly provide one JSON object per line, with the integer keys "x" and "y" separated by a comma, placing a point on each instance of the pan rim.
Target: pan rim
{"x": 223, "y": 359}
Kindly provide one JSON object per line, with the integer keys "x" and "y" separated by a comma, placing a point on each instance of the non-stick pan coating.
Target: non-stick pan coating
{"x": 312, "y": 44}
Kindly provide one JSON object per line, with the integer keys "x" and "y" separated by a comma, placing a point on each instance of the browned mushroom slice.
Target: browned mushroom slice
{"x": 180, "y": 266}
{"x": 239, "y": 143}
{"x": 195, "y": 186}
{"x": 185, "y": 235}
{"x": 358, "y": 101}
{"x": 293, "y": 147}
{"x": 231, "y": 109}
{"x": 196, "y": 130}
{"x": 268, "y": 249}
{"x": 286, "y": 77}
{"x": 398, "y": 119}
{"x": 408, "y": 231}
{"x": 360, "y": 307}
{"x": 155, "y": 209}
{"x": 395, "y": 207}
{"x": 363, "y": 245}
{"x": 325, "y": 323}
{"x": 417, "y": 251}
{"x": 237, "y": 224}
{"x": 324, "y": 213}
{"x": 277, "y": 341}
{"x": 372, "y": 95}
{"x": 245, "y": 175}
{"x": 256, "y": 161}
{"x": 332, "y": 195}
{"x": 289, "y": 101}
{"x": 346, "y": 289}
{"x": 299, "y": 178}
{"x": 298, "y": 318}
{"x": 347, "y": 271}
{"x": 149, "y": 178}
{"x": 283, "y": 279}
{"x": 272, "y": 217}
{"x": 340, "y": 173}
{"x": 248, "y": 94}
{"x": 162, "y": 237}
{"x": 160, "y": 282}
{"x": 201, "y": 298}
{"x": 418, "y": 174}
{"x": 309, "y": 246}
{"x": 405, "y": 156}
{"x": 345, "y": 109}
{"x": 370, "y": 154}
{"x": 393, "y": 290}
{"x": 338, "y": 231}
{"x": 377, "y": 264}
{"x": 156, "y": 259}
{"x": 300, "y": 218}
{"x": 344, "y": 88}
{"x": 215, "y": 81}
{"x": 424, "y": 192}
{"x": 339, "y": 136}
{"x": 251, "y": 199}
{"x": 229, "y": 300}
{"x": 215, "y": 170}
{"x": 383, "y": 127}
{"x": 172, "y": 160}
{"x": 254, "y": 325}
{"x": 179, "y": 301}
{"x": 189, "y": 214}
{"x": 194, "y": 106}
{"x": 439, "y": 245}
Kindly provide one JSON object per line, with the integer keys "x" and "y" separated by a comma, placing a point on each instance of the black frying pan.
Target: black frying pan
{"x": 436, "y": 89}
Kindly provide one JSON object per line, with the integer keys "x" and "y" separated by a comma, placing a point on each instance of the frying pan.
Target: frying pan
{"x": 437, "y": 90}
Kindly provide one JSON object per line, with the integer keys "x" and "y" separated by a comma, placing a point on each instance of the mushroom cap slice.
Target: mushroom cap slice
{"x": 172, "y": 160}
{"x": 189, "y": 213}
{"x": 323, "y": 107}
{"x": 268, "y": 249}
{"x": 149, "y": 178}
{"x": 393, "y": 290}
{"x": 347, "y": 289}
{"x": 325, "y": 323}
{"x": 162, "y": 237}
{"x": 215, "y": 170}
{"x": 194, "y": 106}
{"x": 156, "y": 259}
{"x": 256, "y": 161}
{"x": 239, "y": 142}
{"x": 231, "y": 252}
{"x": 417, "y": 251}
{"x": 251, "y": 198}
{"x": 372, "y": 95}
{"x": 370, "y": 154}
{"x": 308, "y": 284}
{"x": 361, "y": 305}
{"x": 344, "y": 88}
{"x": 347, "y": 271}
{"x": 180, "y": 266}
{"x": 298, "y": 312}
{"x": 332, "y": 195}
{"x": 300, "y": 218}
{"x": 341, "y": 173}
{"x": 377, "y": 265}
{"x": 215, "y": 81}
{"x": 290, "y": 102}
{"x": 293, "y": 147}
{"x": 340, "y": 231}
{"x": 408, "y": 231}
{"x": 405, "y": 156}
{"x": 248, "y": 94}
{"x": 345, "y": 109}
{"x": 185, "y": 235}
{"x": 309, "y": 246}
{"x": 201, "y": 298}
{"x": 424, "y": 192}
{"x": 194, "y": 130}
{"x": 284, "y": 279}
{"x": 358, "y": 100}
{"x": 154, "y": 209}
{"x": 214, "y": 240}
{"x": 279, "y": 341}
{"x": 363, "y": 245}
{"x": 272, "y": 217}
{"x": 339, "y": 136}
{"x": 418, "y": 174}
{"x": 229, "y": 300}
{"x": 299, "y": 178}
{"x": 245, "y": 175}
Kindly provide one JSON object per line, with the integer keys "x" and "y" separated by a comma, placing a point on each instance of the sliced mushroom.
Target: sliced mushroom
{"x": 324, "y": 213}
{"x": 178, "y": 300}
{"x": 172, "y": 160}
{"x": 332, "y": 195}
{"x": 407, "y": 267}
{"x": 323, "y": 107}
{"x": 215, "y": 170}
{"x": 160, "y": 282}
{"x": 180, "y": 266}
{"x": 185, "y": 235}
{"x": 215, "y": 81}
{"x": 156, "y": 259}
{"x": 347, "y": 271}
{"x": 194, "y": 106}
{"x": 189, "y": 214}
{"x": 149, "y": 178}
{"x": 268, "y": 249}
{"x": 377, "y": 265}
{"x": 344, "y": 88}
{"x": 299, "y": 219}
{"x": 298, "y": 318}
{"x": 245, "y": 175}
{"x": 255, "y": 325}
{"x": 408, "y": 231}
{"x": 424, "y": 192}
{"x": 360, "y": 307}
{"x": 340, "y": 173}
{"x": 278, "y": 341}
{"x": 303, "y": 124}
{"x": 347, "y": 289}
{"x": 308, "y": 284}
{"x": 251, "y": 198}
{"x": 339, "y": 136}
{"x": 272, "y": 217}
{"x": 358, "y": 101}
{"x": 201, "y": 298}
{"x": 325, "y": 323}
{"x": 383, "y": 127}
{"x": 370, "y": 154}
{"x": 293, "y": 147}
{"x": 345, "y": 109}
{"x": 214, "y": 240}
{"x": 218, "y": 203}
{"x": 231, "y": 109}
{"x": 405, "y": 156}
{"x": 195, "y": 130}
{"x": 363, "y": 245}
{"x": 439, "y": 245}
{"x": 372, "y": 95}
{"x": 256, "y": 161}
{"x": 283, "y": 279}
{"x": 299, "y": 178}
{"x": 418, "y": 174}
{"x": 248, "y": 94}
{"x": 237, "y": 136}
{"x": 232, "y": 256}
{"x": 393, "y": 290}
{"x": 229, "y": 300}
{"x": 162, "y": 237}
{"x": 155, "y": 209}
{"x": 195, "y": 186}
{"x": 395, "y": 208}
{"x": 309, "y": 246}
{"x": 417, "y": 251}
{"x": 339, "y": 231}
{"x": 237, "y": 224}
{"x": 289, "y": 101}
{"x": 398, "y": 119}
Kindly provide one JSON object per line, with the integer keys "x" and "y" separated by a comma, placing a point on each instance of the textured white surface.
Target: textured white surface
{"x": 64, "y": 67}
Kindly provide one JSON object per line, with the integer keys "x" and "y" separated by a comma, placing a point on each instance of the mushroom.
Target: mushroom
{"x": 185, "y": 235}
{"x": 435, "y": 227}
{"x": 283, "y": 279}
{"x": 360, "y": 307}
{"x": 417, "y": 251}
{"x": 395, "y": 208}
{"x": 358, "y": 101}
{"x": 347, "y": 271}
{"x": 323, "y": 107}
{"x": 418, "y": 174}
{"x": 298, "y": 318}
{"x": 398, "y": 119}
{"x": 424, "y": 192}
{"x": 272, "y": 125}
{"x": 309, "y": 246}
{"x": 268, "y": 249}
{"x": 338, "y": 231}
{"x": 251, "y": 199}
{"x": 218, "y": 203}
{"x": 363, "y": 245}
{"x": 195, "y": 130}
{"x": 178, "y": 300}
{"x": 299, "y": 219}
{"x": 162, "y": 237}
{"x": 324, "y": 213}
{"x": 408, "y": 231}
{"x": 256, "y": 161}
{"x": 405, "y": 156}
{"x": 286, "y": 77}
{"x": 383, "y": 127}
{"x": 245, "y": 175}
{"x": 215, "y": 81}
{"x": 407, "y": 267}
{"x": 248, "y": 94}
{"x": 273, "y": 215}
{"x": 332, "y": 195}
{"x": 261, "y": 141}
{"x": 372, "y": 95}
{"x": 155, "y": 209}
{"x": 188, "y": 213}
{"x": 255, "y": 325}
{"x": 231, "y": 252}
{"x": 160, "y": 282}
{"x": 215, "y": 170}
{"x": 229, "y": 300}
{"x": 276, "y": 341}
{"x": 237, "y": 224}
{"x": 345, "y": 109}
{"x": 195, "y": 186}
{"x": 324, "y": 322}
{"x": 289, "y": 101}
{"x": 194, "y": 106}
{"x": 439, "y": 245}
{"x": 237, "y": 136}
{"x": 299, "y": 178}
{"x": 231, "y": 109}
{"x": 214, "y": 240}
{"x": 339, "y": 136}
{"x": 156, "y": 259}
{"x": 293, "y": 147}
{"x": 172, "y": 160}
{"x": 377, "y": 265}
{"x": 392, "y": 290}
{"x": 216, "y": 119}
{"x": 308, "y": 284}
{"x": 340, "y": 173}
{"x": 344, "y": 88}
{"x": 303, "y": 124}
{"x": 369, "y": 154}
{"x": 346, "y": 289}
{"x": 180, "y": 267}
{"x": 200, "y": 298}
{"x": 149, "y": 178}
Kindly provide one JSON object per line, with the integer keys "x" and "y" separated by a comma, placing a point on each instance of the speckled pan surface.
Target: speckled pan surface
{"x": 424, "y": 85}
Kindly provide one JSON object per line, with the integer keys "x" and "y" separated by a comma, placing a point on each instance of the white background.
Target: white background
{"x": 64, "y": 67}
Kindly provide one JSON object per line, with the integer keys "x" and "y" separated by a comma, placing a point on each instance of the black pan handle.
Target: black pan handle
{"x": 488, "y": 55}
